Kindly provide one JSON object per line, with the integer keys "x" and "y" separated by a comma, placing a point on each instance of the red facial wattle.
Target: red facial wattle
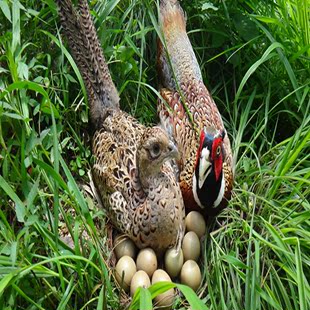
{"x": 217, "y": 158}
{"x": 202, "y": 137}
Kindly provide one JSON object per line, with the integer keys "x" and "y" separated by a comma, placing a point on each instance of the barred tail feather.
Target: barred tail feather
{"x": 85, "y": 47}
{"x": 181, "y": 62}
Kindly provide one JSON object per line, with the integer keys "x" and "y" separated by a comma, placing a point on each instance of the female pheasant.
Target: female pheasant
{"x": 135, "y": 181}
{"x": 190, "y": 115}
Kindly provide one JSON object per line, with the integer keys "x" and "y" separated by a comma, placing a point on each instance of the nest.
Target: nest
{"x": 109, "y": 233}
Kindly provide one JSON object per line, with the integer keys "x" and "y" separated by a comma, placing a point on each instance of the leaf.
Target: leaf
{"x": 33, "y": 12}
{"x": 269, "y": 297}
{"x": 101, "y": 299}
{"x": 63, "y": 304}
{"x": 191, "y": 297}
{"x": 300, "y": 279}
{"x": 33, "y": 192}
{"x": 284, "y": 59}
{"x": 267, "y": 20}
{"x": 15, "y": 25}
{"x": 145, "y": 299}
{"x": 208, "y": 6}
{"x": 25, "y": 85}
{"x": 267, "y": 55}
{"x": 5, "y": 9}
{"x": 234, "y": 261}
{"x": 2, "y": 70}
{"x": 20, "y": 208}
{"x": 48, "y": 108}
{"x": 108, "y": 8}
{"x": 13, "y": 115}
{"x": 77, "y": 193}
{"x": 5, "y": 281}
{"x": 51, "y": 172}
{"x": 23, "y": 70}
{"x": 161, "y": 287}
{"x": 70, "y": 59}
{"x": 246, "y": 28}
{"x": 13, "y": 252}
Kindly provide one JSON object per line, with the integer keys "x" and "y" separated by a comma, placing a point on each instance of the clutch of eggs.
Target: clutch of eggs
{"x": 141, "y": 270}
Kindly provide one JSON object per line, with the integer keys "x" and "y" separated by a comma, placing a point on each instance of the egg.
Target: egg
{"x": 140, "y": 279}
{"x": 174, "y": 261}
{"x": 164, "y": 300}
{"x": 147, "y": 261}
{"x": 191, "y": 246}
{"x": 126, "y": 266}
{"x": 190, "y": 274}
{"x": 195, "y": 222}
{"x": 124, "y": 246}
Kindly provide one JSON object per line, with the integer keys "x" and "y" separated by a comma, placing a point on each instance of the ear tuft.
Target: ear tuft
{"x": 223, "y": 134}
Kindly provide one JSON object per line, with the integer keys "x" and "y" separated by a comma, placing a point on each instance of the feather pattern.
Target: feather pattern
{"x": 87, "y": 52}
{"x": 132, "y": 172}
{"x": 187, "y": 107}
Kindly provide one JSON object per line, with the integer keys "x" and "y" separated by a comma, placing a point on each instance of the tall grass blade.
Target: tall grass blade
{"x": 266, "y": 56}
{"x": 301, "y": 280}
{"x": 20, "y": 207}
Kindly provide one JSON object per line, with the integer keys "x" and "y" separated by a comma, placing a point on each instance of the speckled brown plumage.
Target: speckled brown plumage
{"x": 132, "y": 173}
{"x": 185, "y": 94}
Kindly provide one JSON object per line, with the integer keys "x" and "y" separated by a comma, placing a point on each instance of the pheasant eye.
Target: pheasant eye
{"x": 155, "y": 150}
{"x": 218, "y": 151}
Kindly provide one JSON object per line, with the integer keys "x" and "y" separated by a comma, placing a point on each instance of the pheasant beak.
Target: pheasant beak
{"x": 204, "y": 166}
{"x": 173, "y": 151}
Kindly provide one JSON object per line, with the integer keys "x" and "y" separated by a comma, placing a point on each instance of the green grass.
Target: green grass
{"x": 254, "y": 57}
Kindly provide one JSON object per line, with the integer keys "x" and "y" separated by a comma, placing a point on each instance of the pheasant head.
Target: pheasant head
{"x": 155, "y": 148}
{"x": 208, "y": 178}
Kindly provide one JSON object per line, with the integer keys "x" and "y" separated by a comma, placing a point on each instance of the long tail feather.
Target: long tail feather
{"x": 182, "y": 61}
{"x": 87, "y": 52}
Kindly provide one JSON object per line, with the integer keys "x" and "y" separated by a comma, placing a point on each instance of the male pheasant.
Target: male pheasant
{"x": 190, "y": 115}
{"x": 134, "y": 179}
